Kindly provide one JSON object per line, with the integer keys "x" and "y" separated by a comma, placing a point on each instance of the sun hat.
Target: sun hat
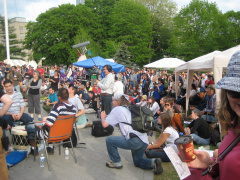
{"x": 144, "y": 97}
{"x": 232, "y": 80}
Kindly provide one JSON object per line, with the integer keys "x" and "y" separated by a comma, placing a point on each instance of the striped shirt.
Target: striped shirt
{"x": 18, "y": 102}
{"x": 60, "y": 109}
{"x": 57, "y": 110}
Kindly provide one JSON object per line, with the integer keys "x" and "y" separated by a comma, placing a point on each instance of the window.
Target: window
{"x": 21, "y": 36}
{"x": 21, "y": 28}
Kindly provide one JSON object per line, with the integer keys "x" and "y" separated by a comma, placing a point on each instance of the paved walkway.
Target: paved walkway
{"x": 90, "y": 163}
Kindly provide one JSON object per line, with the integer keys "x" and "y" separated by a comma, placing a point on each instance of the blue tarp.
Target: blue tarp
{"x": 100, "y": 62}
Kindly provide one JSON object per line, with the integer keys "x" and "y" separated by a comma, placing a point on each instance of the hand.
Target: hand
{"x": 103, "y": 115}
{"x": 97, "y": 81}
{"x": 40, "y": 127}
{"x": 47, "y": 103}
{"x": 29, "y": 86}
{"x": 8, "y": 127}
{"x": 18, "y": 116}
{"x": 202, "y": 160}
{"x": 14, "y": 117}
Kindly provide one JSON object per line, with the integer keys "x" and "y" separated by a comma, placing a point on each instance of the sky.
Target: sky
{"x": 30, "y": 9}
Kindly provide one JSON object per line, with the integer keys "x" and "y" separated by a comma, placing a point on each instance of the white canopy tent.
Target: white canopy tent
{"x": 166, "y": 63}
{"x": 33, "y": 64}
{"x": 215, "y": 61}
{"x": 15, "y": 62}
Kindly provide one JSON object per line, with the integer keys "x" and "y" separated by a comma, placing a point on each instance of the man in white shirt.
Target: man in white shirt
{"x": 106, "y": 85}
{"x": 118, "y": 86}
{"x": 204, "y": 78}
{"x": 82, "y": 121}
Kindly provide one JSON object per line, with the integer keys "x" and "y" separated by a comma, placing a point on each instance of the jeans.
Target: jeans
{"x": 17, "y": 88}
{"x": 132, "y": 83}
{"x": 25, "y": 119}
{"x": 158, "y": 154}
{"x": 209, "y": 118}
{"x": 200, "y": 141}
{"x": 136, "y": 145}
{"x": 107, "y": 103}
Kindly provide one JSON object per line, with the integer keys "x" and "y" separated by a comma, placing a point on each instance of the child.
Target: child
{"x": 135, "y": 96}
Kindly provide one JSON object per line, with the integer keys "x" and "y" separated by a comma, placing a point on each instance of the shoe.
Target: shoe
{"x": 158, "y": 166}
{"x": 40, "y": 119}
{"x": 112, "y": 165}
{"x": 50, "y": 150}
{"x": 32, "y": 151}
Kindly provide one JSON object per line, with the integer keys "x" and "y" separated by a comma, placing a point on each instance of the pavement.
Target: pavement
{"x": 91, "y": 160}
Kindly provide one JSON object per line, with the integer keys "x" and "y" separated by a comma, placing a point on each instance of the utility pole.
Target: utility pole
{"x": 6, "y": 30}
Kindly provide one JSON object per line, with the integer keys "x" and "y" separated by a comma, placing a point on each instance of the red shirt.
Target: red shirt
{"x": 30, "y": 71}
{"x": 41, "y": 71}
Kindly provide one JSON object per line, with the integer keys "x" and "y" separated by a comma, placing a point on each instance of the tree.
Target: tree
{"x": 123, "y": 56}
{"x": 15, "y": 48}
{"x": 53, "y": 34}
{"x": 130, "y": 24}
{"x": 199, "y": 28}
{"x": 162, "y": 14}
{"x": 234, "y": 19}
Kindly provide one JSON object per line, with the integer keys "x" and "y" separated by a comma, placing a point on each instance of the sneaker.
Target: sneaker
{"x": 112, "y": 165}
{"x": 50, "y": 150}
{"x": 32, "y": 151}
{"x": 158, "y": 166}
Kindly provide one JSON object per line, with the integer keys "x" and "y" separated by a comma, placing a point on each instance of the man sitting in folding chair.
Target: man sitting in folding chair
{"x": 63, "y": 107}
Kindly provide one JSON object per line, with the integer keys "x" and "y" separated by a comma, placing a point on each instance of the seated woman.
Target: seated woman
{"x": 176, "y": 120}
{"x": 199, "y": 129}
{"x": 153, "y": 105}
{"x": 169, "y": 135}
{"x": 143, "y": 101}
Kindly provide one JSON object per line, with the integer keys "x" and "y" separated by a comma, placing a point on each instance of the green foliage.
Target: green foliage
{"x": 162, "y": 13}
{"x": 234, "y": 27}
{"x": 54, "y": 32}
{"x": 199, "y": 28}
{"x": 122, "y": 56}
{"x": 130, "y": 23}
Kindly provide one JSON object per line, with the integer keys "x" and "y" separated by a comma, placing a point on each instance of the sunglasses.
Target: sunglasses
{"x": 233, "y": 94}
{"x": 167, "y": 104}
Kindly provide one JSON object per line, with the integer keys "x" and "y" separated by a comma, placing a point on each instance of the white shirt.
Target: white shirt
{"x": 173, "y": 136}
{"x": 122, "y": 114}
{"x": 106, "y": 84}
{"x": 118, "y": 88}
{"x": 154, "y": 108}
{"x": 76, "y": 102}
{"x": 203, "y": 82}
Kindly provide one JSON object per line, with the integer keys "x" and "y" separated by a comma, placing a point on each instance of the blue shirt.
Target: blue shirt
{"x": 53, "y": 97}
{"x": 157, "y": 92}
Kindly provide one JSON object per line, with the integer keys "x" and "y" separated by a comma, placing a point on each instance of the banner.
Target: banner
{"x": 68, "y": 79}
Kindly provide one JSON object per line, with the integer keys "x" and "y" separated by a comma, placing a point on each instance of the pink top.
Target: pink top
{"x": 229, "y": 167}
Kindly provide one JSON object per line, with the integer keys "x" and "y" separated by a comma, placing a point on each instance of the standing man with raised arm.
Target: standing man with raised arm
{"x": 106, "y": 85}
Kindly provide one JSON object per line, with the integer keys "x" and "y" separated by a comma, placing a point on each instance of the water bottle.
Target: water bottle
{"x": 42, "y": 159}
{"x": 180, "y": 134}
{"x": 66, "y": 153}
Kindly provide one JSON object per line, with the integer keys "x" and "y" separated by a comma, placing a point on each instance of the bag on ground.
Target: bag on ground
{"x": 99, "y": 131}
{"x": 74, "y": 140}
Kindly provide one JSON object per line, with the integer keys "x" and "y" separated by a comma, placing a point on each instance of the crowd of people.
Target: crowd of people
{"x": 113, "y": 93}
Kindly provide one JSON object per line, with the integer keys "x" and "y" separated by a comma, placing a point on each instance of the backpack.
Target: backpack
{"x": 142, "y": 119}
{"x": 74, "y": 140}
{"x": 215, "y": 136}
{"x": 98, "y": 130}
